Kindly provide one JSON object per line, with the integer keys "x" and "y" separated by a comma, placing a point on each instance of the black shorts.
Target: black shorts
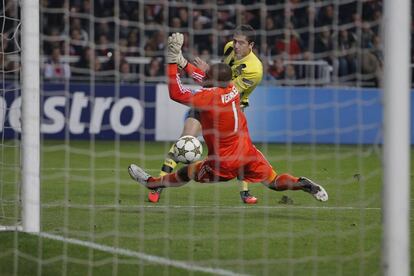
{"x": 193, "y": 113}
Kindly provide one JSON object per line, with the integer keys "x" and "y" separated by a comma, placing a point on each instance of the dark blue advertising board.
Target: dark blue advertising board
{"x": 82, "y": 111}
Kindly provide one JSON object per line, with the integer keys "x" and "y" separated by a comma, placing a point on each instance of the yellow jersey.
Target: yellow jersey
{"x": 247, "y": 72}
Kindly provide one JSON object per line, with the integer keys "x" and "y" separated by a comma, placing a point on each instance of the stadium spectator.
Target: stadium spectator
{"x": 270, "y": 27}
{"x": 226, "y": 19}
{"x": 367, "y": 36}
{"x": 326, "y": 16}
{"x": 289, "y": 44}
{"x": 201, "y": 40}
{"x": 76, "y": 24}
{"x": 308, "y": 34}
{"x": 88, "y": 63}
{"x": 103, "y": 8}
{"x": 86, "y": 7}
{"x": 290, "y": 75}
{"x": 55, "y": 39}
{"x": 154, "y": 68}
{"x": 55, "y": 68}
{"x": 370, "y": 9}
{"x": 104, "y": 28}
{"x": 103, "y": 46}
{"x": 183, "y": 16}
{"x": 324, "y": 45}
{"x": 125, "y": 73}
{"x": 372, "y": 62}
{"x": 115, "y": 59}
{"x": 250, "y": 17}
{"x": 346, "y": 53}
{"x": 203, "y": 17}
{"x": 231, "y": 153}
{"x": 77, "y": 44}
{"x": 210, "y": 29}
{"x": 277, "y": 69}
{"x": 133, "y": 42}
{"x": 153, "y": 14}
{"x": 155, "y": 44}
{"x": 176, "y": 23}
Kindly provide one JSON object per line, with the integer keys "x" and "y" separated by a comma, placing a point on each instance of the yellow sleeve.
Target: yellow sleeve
{"x": 228, "y": 48}
{"x": 247, "y": 81}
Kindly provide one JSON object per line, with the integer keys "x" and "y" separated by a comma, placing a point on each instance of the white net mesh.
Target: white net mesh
{"x": 105, "y": 105}
{"x": 9, "y": 116}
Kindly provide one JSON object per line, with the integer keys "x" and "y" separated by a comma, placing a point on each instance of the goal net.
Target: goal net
{"x": 9, "y": 117}
{"x": 104, "y": 104}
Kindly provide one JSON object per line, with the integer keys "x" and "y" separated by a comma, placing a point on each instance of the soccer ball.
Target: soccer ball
{"x": 187, "y": 149}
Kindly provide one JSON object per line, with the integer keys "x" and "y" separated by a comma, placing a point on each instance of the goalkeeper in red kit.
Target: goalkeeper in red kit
{"x": 247, "y": 73}
{"x": 231, "y": 153}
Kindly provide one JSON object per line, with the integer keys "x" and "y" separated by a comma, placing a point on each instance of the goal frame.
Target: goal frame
{"x": 396, "y": 152}
{"x": 30, "y": 116}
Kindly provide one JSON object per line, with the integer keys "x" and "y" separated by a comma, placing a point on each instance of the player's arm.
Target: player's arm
{"x": 175, "y": 55}
{"x": 194, "y": 72}
{"x": 246, "y": 82}
{"x": 184, "y": 95}
{"x": 177, "y": 92}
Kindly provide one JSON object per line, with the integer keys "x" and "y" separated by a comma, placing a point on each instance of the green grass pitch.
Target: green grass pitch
{"x": 87, "y": 195}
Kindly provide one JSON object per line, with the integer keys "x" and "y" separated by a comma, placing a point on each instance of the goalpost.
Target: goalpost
{"x": 90, "y": 205}
{"x": 29, "y": 123}
{"x": 30, "y": 116}
{"x": 396, "y": 160}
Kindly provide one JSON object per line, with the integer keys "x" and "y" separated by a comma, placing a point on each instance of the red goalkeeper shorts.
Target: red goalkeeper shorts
{"x": 253, "y": 168}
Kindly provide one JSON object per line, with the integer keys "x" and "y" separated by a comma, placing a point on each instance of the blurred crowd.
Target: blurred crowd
{"x": 299, "y": 42}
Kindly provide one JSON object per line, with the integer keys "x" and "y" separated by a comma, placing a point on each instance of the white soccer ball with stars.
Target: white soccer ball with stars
{"x": 187, "y": 149}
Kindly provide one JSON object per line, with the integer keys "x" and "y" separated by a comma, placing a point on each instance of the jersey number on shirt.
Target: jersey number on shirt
{"x": 236, "y": 117}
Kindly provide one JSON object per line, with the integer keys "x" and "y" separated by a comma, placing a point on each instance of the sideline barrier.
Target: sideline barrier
{"x": 132, "y": 112}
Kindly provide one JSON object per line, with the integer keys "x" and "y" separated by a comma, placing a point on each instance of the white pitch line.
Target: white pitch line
{"x": 339, "y": 208}
{"x": 142, "y": 256}
{"x": 153, "y": 206}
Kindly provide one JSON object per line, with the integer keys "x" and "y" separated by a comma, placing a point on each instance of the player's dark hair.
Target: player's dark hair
{"x": 247, "y": 31}
{"x": 220, "y": 72}
{"x": 219, "y": 75}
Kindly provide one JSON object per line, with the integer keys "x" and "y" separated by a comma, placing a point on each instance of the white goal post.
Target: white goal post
{"x": 396, "y": 158}
{"x": 30, "y": 116}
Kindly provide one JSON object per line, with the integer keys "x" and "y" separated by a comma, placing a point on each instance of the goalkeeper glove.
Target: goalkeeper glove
{"x": 174, "y": 54}
{"x": 181, "y": 61}
{"x": 171, "y": 53}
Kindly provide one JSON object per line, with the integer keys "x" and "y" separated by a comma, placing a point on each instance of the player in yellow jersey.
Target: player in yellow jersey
{"x": 247, "y": 73}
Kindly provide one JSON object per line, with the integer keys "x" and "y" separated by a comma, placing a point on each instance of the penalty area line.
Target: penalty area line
{"x": 140, "y": 255}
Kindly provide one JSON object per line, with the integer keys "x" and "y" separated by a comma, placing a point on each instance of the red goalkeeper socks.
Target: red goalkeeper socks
{"x": 168, "y": 180}
{"x": 284, "y": 182}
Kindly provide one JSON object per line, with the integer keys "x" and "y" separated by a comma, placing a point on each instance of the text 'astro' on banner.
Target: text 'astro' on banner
{"x": 84, "y": 111}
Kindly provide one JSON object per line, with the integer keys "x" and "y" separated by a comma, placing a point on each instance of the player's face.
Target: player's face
{"x": 241, "y": 46}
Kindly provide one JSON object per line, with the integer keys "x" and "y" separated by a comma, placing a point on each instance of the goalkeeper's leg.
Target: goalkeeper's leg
{"x": 245, "y": 195}
{"x": 286, "y": 181}
{"x": 192, "y": 127}
{"x": 167, "y": 167}
{"x": 177, "y": 179}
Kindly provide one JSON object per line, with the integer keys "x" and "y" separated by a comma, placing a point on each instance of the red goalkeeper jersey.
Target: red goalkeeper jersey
{"x": 223, "y": 123}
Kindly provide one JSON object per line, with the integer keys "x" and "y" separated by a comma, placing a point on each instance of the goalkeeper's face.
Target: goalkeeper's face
{"x": 242, "y": 47}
